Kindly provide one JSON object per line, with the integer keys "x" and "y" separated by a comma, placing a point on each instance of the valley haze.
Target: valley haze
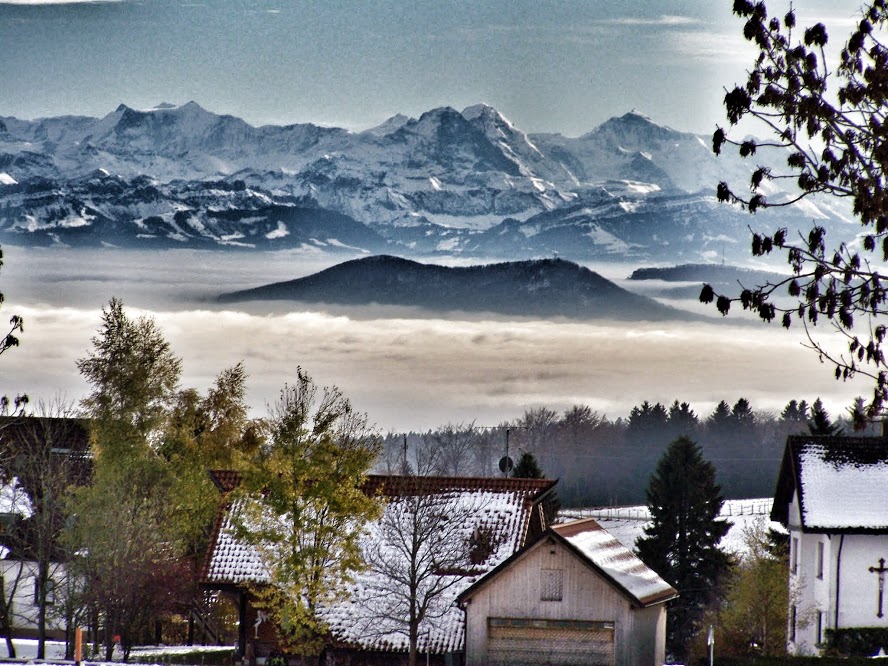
{"x": 405, "y": 369}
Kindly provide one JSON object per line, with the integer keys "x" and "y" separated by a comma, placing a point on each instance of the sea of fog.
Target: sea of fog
{"x": 406, "y": 369}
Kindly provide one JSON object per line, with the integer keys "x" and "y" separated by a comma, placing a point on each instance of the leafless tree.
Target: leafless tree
{"x": 448, "y": 451}
{"x": 423, "y": 545}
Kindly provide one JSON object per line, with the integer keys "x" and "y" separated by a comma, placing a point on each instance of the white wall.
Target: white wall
{"x": 23, "y": 609}
{"x": 846, "y": 575}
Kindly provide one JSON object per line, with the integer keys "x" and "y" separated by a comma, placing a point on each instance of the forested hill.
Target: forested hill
{"x": 538, "y": 288}
{"x": 708, "y": 273}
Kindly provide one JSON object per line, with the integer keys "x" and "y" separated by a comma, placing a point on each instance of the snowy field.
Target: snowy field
{"x": 26, "y": 651}
{"x": 627, "y": 523}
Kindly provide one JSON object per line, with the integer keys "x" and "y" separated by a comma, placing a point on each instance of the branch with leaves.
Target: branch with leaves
{"x": 835, "y": 146}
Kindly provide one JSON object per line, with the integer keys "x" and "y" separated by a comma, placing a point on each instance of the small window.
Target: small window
{"x": 792, "y": 624}
{"x": 821, "y": 624}
{"x": 551, "y": 584}
{"x": 820, "y": 560}
{"x": 50, "y": 591}
{"x": 795, "y": 555}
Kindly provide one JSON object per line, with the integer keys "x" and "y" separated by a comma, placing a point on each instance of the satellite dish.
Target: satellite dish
{"x": 506, "y": 464}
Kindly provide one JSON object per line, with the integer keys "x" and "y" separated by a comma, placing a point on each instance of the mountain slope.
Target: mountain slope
{"x": 541, "y": 288}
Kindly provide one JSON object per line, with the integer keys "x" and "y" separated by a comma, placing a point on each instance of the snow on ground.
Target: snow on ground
{"x": 627, "y": 523}
{"x": 26, "y": 650}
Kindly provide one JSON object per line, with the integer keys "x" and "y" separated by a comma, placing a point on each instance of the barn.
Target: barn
{"x": 576, "y": 596}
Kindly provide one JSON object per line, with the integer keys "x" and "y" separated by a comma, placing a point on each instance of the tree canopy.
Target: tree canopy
{"x": 304, "y": 506}
{"x": 832, "y": 126}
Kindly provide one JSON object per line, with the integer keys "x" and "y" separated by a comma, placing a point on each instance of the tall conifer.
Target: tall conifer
{"x": 682, "y": 541}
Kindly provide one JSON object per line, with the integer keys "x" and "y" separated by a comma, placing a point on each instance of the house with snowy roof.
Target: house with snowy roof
{"x": 484, "y": 521}
{"x": 832, "y": 496}
{"x": 576, "y": 596}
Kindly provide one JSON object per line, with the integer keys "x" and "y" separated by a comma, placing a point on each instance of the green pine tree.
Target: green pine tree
{"x": 682, "y": 541}
{"x": 821, "y": 423}
{"x": 527, "y": 467}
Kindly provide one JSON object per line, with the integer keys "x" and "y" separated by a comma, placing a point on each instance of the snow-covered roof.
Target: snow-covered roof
{"x": 501, "y": 508}
{"x": 603, "y": 553}
{"x": 840, "y": 484}
{"x": 616, "y": 561}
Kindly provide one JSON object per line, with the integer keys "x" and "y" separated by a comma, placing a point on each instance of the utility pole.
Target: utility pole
{"x": 405, "y": 469}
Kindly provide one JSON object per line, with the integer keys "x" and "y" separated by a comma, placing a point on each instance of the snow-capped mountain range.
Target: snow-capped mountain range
{"x": 450, "y": 182}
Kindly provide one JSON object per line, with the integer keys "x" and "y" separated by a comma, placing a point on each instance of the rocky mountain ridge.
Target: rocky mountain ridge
{"x": 450, "y": 182}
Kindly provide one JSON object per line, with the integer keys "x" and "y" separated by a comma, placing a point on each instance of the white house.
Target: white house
{"x": 20, "y": 590}
{"x": 576, "y": 596}
{"x": 832, "y": 496}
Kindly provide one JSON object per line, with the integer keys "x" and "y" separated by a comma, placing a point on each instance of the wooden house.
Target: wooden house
{"x": 576, "y": 596}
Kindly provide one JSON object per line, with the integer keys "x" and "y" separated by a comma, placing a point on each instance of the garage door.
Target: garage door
{"x": 524, "y": 642}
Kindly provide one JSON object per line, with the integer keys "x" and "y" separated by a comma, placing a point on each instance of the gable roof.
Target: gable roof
{"x": 840, "y": 484}
{"x": 501, "y": 507}
{"x": 605, "y": 555}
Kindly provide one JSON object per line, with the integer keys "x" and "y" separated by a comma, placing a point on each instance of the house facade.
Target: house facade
{"x": 20, "y": 590}
{"x": 576, "y": 596}
{"x": 832, "y": 496}
{"x": 490, "y": 520}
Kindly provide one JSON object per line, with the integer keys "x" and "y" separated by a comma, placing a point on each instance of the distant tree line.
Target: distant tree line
{"x": 602, "y": 461}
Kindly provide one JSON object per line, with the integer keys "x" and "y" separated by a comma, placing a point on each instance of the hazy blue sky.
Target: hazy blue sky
{"x": 560, "y": 65}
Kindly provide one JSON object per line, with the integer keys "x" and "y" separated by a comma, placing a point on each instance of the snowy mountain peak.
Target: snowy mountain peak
{"x": 633, "y": 131}
{"x": 487, "y": 113}
{"x": 393, "y": 124}
{"x": 639, "y": 114}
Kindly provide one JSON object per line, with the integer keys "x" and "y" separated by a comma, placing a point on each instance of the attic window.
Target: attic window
{"x": 482, "y": 543}
{"x": 551, "y": 584}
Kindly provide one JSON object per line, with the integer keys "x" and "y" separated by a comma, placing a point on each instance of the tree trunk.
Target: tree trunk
{"x": 6, "y": 614}
{"x": 10, "y": 648}
{"x": 414, "y": 639}
{"x": 42, "y": 579}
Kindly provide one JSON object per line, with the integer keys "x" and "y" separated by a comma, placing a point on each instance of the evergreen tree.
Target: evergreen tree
{"x": 720, "y": 419}
{"x": 682, "y": 541}
{"x": 647, "y": 425}
{"x": 682, "y": 420}
{"x": 527, "y": 467}
{"x": 743, "y": 416}
{"x": 820, "y": 422}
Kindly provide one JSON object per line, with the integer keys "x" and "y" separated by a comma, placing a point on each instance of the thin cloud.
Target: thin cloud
{"x": 665, "y": 20}
{"x": 720, "y": 47}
